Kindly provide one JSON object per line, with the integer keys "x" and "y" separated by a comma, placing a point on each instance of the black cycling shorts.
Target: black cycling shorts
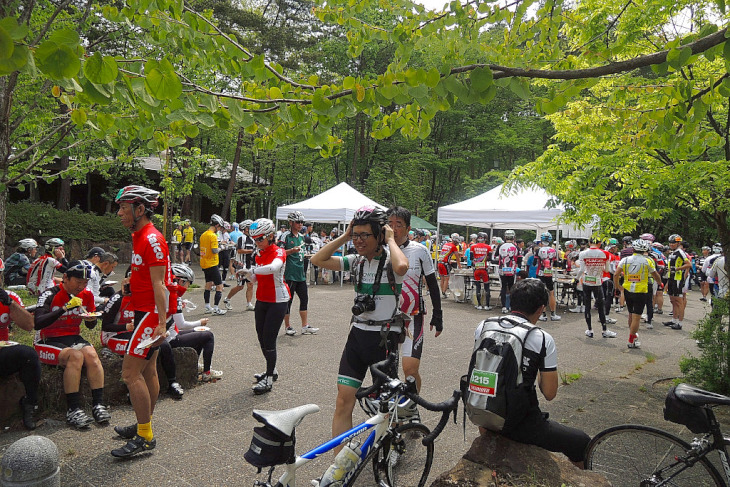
{"x": 548, "y": 281}
{"x": 361, "y": 351}
{"x": 635, "y": 302}
{"x": 413, "y": 344}
{"x": 187, "y": 245}
{"x": 538, "y": 430}
{"x": 213, "y": 274}
{"x": 675, "y": 288}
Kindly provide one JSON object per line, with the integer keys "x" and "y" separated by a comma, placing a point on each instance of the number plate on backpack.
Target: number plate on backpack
{"x": 483, "y": 382}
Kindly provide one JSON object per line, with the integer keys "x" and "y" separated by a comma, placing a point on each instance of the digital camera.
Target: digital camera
{"x": 363, "y": 302}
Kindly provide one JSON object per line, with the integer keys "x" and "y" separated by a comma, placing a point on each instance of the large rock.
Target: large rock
{"x": 494, "y": 461}
{"x": 32, "y": 460}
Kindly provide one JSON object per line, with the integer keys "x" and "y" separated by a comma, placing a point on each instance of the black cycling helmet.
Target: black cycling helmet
{"x": 627, "y": 239}
{"x": 79, "y": 268}
{"x": 373, "y": 216}
{"x": 674, "y": 238}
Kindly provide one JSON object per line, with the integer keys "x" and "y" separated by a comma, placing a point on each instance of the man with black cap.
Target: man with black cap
{"x": 104, "y": 263}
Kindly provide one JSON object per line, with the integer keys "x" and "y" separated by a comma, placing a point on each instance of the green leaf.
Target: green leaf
{"x": 105, "y": 121}
{"x": 18, "y": 60}
{"x": 101, "y": 70}
{"x": 78, "y": 116}
{"x": 481, "y": 79}
{"x": 275, "y": 93}
{"x": 520, "y": 88}
{"x": 17, "y": 31}
{"x": 57, "y": 61}
{"x": 348, "y": 83}
{"x": 320, "y": 104}
{"x": 191, "y": 131}
{"x": 433, "y": 77}
{"x": 726, "y": 51}
{"x": 162, "y": 82}
{"x": 720, "y": 5}
{"x": 65, "y": 37}
{"x": 678, "y": 58}
{"x": 7, "y": 46}
{"x": 175, "y": 141}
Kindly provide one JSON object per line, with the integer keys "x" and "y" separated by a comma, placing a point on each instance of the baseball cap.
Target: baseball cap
{"x": 95, "y": 251}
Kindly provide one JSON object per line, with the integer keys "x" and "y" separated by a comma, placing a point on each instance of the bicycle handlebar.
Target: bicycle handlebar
{"x": 445, "y": 407}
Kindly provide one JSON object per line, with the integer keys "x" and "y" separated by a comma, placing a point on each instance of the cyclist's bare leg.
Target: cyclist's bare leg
{"x": 410, "y": 368}
{"x": 634, "y": 321}
{"x": 139, "y": 394}
{"x": 344, "y": 406}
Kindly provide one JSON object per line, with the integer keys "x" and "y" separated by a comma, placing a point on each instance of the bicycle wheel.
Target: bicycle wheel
{"x": 403, "y": 460}
{"x": 642, "y": 456}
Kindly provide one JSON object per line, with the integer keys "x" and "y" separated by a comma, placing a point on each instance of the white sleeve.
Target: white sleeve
{"x": 272, "y": 268}
{"x": 179, "y": 320}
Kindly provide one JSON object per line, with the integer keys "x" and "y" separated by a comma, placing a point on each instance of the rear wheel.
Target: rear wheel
{"x": 641, "y": 456}
{"x": 403, "y": 460}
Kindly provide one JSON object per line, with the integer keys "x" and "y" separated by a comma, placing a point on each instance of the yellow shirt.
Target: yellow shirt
{"x": 176, "y": 236}
{"x": 188, "y": 234}
{"x": 637, "y": 270}
{"x": 208, "y": 242}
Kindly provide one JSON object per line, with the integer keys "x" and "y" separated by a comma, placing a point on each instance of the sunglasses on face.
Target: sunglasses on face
{"x": 260, "y": 239}
{"x": 299, "y": 222}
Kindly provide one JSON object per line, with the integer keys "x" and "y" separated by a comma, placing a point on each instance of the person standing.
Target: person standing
{"x": 272, "y": 298}
{"x": 420, "y": 267}
{"x": 209, "y": 263}
{"x": 176, "y": 243}
{"x": 679, "y": 265}
{"x": 507, "y": 268}
{"x": 243, "y": 260}
{"x": 547, "y": 257}
{"x": 292, "y": 241}
{"x": 592, "y": 266}
{"x": 480, "y": 257}
{"x": 449, "y": 258}
{"x": 187, "y": 242}
{"x": 149, "y": 281}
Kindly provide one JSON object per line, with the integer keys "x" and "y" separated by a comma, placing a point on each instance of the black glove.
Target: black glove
{"x": 437, "y": 320}
{"x": 4, "y": 297}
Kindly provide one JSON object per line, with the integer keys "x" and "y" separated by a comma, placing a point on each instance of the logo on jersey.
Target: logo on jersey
{"x": 156, "y": 248}
{"x": 50, "y": 356}
{"x": 120, "y": 347}
{"x": 5, "y": 318}
{"x": 136, "y": 259}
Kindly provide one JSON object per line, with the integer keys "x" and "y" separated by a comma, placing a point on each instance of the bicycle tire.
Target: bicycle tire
{"x": 632, "y": 455}
{"x": 403, "y": 460}
{"x": 370, "y": 456}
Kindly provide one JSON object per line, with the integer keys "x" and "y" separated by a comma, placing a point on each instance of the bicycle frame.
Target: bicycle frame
{"x": 379, "y": 425}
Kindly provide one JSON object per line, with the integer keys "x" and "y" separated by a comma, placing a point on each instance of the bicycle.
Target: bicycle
{"x": 392, "y": 443}
{"x": 636, "y": 455}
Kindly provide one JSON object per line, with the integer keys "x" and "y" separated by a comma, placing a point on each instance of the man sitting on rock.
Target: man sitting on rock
{"x": 528, "y": 300}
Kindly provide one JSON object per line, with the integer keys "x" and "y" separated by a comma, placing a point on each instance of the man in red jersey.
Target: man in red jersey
{"x": 148, "y": 284}
{"x": 447, "y": 256}
{"x": 480, "y": 252}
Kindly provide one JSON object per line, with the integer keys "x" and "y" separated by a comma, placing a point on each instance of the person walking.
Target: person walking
{"x": 292, "y": 241}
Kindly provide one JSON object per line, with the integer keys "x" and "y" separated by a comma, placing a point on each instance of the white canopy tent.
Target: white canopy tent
{"x": 521, "y": 209}
{"x": 336, "y": 205}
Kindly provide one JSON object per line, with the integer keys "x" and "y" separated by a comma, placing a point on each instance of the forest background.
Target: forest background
{"x": 618, "y": 109}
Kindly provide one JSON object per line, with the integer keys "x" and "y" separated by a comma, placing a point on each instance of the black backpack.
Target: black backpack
{"x": 493, "y": 391}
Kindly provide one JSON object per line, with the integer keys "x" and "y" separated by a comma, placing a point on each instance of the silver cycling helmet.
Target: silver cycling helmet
{"x": 717, "y": 248}
{"x": 295, "y": 216}
{"x": 183, "y": 271}
{"x": 217, "y": 220}
{"x": 28, "y": 243}
{"x": 138, "y": 194}
{"x": 641, "y": 245}
{"x": 509, "y": 234}
{"x": 245, "y": 224}
{"x": 52, "y": 244}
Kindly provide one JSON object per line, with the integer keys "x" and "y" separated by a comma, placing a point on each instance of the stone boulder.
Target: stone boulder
{"x": 495, "y": 461}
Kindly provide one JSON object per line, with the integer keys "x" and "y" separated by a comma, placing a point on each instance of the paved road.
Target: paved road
{"x": 201, "y": 439}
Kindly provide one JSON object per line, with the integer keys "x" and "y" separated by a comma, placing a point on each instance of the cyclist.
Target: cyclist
{"x": 272, "y": 297}
{"x": 529, "y": 300}
{"x": 117, "y": 320}
{"x": 547, "y": 257}
{"x": 480, "y": 252}
{"x": 104, "y": 264}
{"x": 374, "y": 328}
{"x": 507, "y": 268}
{"x": 593, "y": 264}
{"x": 412, "y": 303}
{"x": 678, "y": 266}
{"x": 449, "y": 259}
{"x": 42, "y": 270}
{"x": 718, "y": 273}
{"x": 187, "y": 241}
{"x": 58, "y": 341}
{"x": 182, "y": 333}
{"x": 701, "y": 273}
{"x": 707, "y": 265}
{"x": 148, "y": 282}
{"x": 243, "y": 260}
{"x": 18, "y": 264}
{"x": 292, "y": 241}
{"x": 635, "y": 271}
{"x": 176, "y": 248}
{"x": 19, "y": 359}
{"x": 209, "y": 261}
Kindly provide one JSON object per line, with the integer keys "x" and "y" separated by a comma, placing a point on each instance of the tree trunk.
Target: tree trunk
{"x": 64, "y": 192}
{"x": 225, "y": 211}
{"x": 3, "y": 220}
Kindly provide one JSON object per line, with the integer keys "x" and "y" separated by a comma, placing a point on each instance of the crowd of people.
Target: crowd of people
{"x": 393, "y": 269}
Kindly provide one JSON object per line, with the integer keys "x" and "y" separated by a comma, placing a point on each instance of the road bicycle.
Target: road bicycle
{"x": 642, "y": 456}
{"x": 399, "y": 447}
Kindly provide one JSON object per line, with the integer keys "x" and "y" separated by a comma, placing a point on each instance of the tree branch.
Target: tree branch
{"x": 43, "y": 140}
{"x": 43, "y": 156}
{"x": 44, "y": 29}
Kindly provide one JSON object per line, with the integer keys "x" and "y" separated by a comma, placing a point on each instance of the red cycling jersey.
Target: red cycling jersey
{"x": 5, "y": 315}
{"x": 447, "y": 250}
{"x": 69, "y": 322}
{"x": 149, "y": 249}
{"x": 271, "y": 287}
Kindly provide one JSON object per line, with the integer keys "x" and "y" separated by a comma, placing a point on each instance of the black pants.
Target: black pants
{"x": 22, "y": 359}
{"x": 269, "y": 317}
{"x": 597, "y": 291}
{"x": 538, "y": 430}
{"x": 607, "y": 295}
{"x": 507, "y": 283}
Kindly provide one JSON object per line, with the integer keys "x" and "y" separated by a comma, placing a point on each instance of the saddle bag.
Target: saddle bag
{"x": 269, "y": 448}
{"x": 693, "y": 417}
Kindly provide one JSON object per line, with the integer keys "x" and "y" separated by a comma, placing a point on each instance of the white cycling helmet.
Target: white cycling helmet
{"x": 641, "y": 245}
{"x": 217, "y": 220}
{"x": 245, "y": 224}
{"x": 262, "y": 226}
{"x": 717, "y": 248}
{"x": 454, "y": 236}
{"x": 183, "y": 271}
{"x": 509, "y": 234}
{"x": 28, "y": 243}
{"x": 227, "y": 226}
{"x": 473, "y": 236}
{"x": 139, "y": 195}
{"x": 647, "y": 236}
{"x": 295, "y": 216}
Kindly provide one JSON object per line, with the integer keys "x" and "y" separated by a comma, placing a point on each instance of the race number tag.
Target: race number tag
{"x": 633, "y": 277}
{"x": 507, "y": 270}
{"x": 590, "y": 279}
{"x": 483, "y": 383}
{"x": 548, "y": 272}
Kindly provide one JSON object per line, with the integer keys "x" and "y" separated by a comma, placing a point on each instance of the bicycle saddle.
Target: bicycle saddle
{"x": 285, "y": 420}
{"x": 699, "y": 397}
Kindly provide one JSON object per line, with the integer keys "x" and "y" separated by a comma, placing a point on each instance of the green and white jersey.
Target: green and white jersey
{"x": 384, "y": 299}
{"x": 294, "y": 270}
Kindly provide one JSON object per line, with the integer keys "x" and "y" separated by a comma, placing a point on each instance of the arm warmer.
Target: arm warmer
{"x": 108, "y": 319}
{"x": 179, "y": 319}
{"x": 45, "y": 317}
{"x": 269, "y": 268}
{"x": 434, "y": 291}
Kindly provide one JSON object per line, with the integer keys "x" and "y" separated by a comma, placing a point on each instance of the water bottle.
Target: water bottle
{"x": 345, "y": 462}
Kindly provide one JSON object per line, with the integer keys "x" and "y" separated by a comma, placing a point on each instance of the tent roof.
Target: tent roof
{"x": 337, "y": 204}
{"x": 519, "y": 209}
{"x": 418, "y": 222}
